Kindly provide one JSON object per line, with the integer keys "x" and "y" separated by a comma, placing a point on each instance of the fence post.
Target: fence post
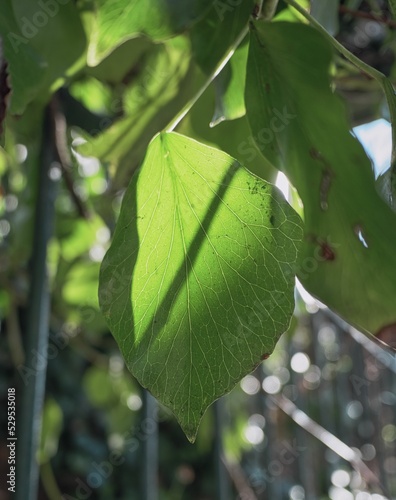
{"x": 150, "y": 447}
{"x": 223, "y": 486}
{"x": 37, "y": 330}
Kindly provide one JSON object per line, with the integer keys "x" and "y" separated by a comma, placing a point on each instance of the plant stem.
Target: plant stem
{"x": 385, "y": 83}
{"x": 345, "y": 52}
{"x": 63, "y": 153}
{"x": 220, "y": 66}
{"x": 268, "y": 9}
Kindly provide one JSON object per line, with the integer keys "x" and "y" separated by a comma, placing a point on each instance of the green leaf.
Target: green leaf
{"x": 79, "y": 296}
{"x": 122, "y": 63}
{"x": 24, "y": 63}
{"x": 119, "y": 20}
{"x": 93, "y": 94}
{"x": 41, "y": 21}
{"x": 197, "y": 285}
{"x": 392, "y": 5}
{"x": 301, "y": 127}
{"x": 215, "y": 33}
{"x": 51, "y": 431}
{"x": 81, "y": 235}
{"x": 230, "y": 88}
{"x": 123, "y": 144}
{"x": 234, "y": 137}
{"x": 26, "y": 27}
{"x": 292, "y": 15}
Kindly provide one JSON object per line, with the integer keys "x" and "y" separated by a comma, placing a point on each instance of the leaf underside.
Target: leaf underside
{"x": 198, "y": 283}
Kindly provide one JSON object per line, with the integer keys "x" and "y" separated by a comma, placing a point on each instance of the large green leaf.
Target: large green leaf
{"x": 40, "y": 22}
{"x": 119, "y": 20}
{"x": 26, "y": 27}
{"x": 349, "y": 257}
{"x": 24, "y": 63}
{"x": 217, "y": 31}
{"x": 197, "y": 285}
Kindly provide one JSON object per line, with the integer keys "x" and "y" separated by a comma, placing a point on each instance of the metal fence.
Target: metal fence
{"x": 316, "y": 420}
{"x": 321, "y": 422}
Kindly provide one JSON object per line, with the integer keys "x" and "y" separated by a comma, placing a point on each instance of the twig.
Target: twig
{"x": 63, "y": 154}
{"x": 239, "y": 479}
{"x": 377, "y": 349}
{"x": 367, "y": 15}
{"x": 220, "y": 66}
{"x": 327, "y": 438}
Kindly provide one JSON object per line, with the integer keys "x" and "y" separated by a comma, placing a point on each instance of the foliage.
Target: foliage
{"x": 197, "y": 284}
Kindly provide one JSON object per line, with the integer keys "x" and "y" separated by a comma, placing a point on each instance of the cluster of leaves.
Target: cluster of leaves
{"x": 197, "y": 285}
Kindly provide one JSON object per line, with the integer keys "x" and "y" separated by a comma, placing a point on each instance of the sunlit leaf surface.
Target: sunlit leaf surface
{"x": 198, "y": 283}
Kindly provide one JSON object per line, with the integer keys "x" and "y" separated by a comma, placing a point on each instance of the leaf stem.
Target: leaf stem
{"x": 220, "y": 66}
{"x": 268, "y": 9}
{"x": 385, "y": 83}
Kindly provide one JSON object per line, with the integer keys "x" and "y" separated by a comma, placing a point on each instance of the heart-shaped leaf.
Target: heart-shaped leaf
{"x": 197, "y": 285}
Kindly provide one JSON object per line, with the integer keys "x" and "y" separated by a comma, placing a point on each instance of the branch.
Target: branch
{"x": 220, "y": 66}
{"x": 63, "y": 154}
{"x": 238, "y": 476}
{"x": 328, "y": 439}
{"x": 367, "y": 15}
